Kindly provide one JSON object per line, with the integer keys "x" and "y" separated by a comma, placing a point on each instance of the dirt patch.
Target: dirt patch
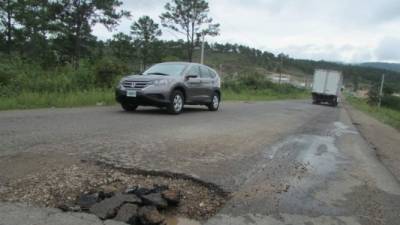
{"x": 54, "y": 186}
{"x": 372, "y": 211}
{"x": 24, "y": 164}
{"x": 385, "y": 140}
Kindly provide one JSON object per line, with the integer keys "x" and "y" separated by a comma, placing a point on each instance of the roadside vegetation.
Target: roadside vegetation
{"x": 256, "y": 87}
{"x": 30, "y": 86}
{"x": 50, "y": 58}
{"x": 386, "y": 114}
{"x": 30, "y": 100}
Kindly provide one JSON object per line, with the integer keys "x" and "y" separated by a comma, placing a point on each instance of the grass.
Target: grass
{"x": 28, "y": 100}
{"x": 383, "y": 114}
{"x": 262, "y": 95}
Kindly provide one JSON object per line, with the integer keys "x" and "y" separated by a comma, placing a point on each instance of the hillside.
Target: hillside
{"x": 386, "y": 66}
{"x": 232, "y": 59}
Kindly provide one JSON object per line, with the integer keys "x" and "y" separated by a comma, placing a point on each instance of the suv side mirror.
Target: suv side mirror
{"x": 191, "y": 76}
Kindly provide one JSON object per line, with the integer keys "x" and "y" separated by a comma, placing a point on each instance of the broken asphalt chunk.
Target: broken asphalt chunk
{"x": 108, "y": 208}
{"x": 155, "y": 199}
{"x": 172, "y": 197}
{"x": 149, "y": 215}
{"x": 128, "y": 213}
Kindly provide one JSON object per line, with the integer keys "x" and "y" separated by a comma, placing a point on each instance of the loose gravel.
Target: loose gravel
{"x": 60, "y": 186}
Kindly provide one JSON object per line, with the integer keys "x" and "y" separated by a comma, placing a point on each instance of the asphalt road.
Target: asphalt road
{"x": 285, "y": 162}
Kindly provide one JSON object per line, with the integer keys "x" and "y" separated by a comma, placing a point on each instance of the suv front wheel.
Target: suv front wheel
{"x": 128, "y": 106}
{"x": 177, "y": 102}
{"x": 214, "y": 104}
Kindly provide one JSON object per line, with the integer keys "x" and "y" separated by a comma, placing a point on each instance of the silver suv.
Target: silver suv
{"x": 171, "y": 85}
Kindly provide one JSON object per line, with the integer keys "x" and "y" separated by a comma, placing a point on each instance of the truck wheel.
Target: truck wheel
{"x": 129, "y": 107}
{"x": 334, "y": 102}
{"x": 316, "y": 100}
{"x": 177, "y": 102}
{"x": 215, "y": 100}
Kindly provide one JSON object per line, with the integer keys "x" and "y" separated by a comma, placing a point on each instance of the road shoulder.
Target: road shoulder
{"x": 384, "y": 139}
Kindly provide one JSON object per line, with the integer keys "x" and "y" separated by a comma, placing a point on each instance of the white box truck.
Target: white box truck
{"x": 327, "y": 86}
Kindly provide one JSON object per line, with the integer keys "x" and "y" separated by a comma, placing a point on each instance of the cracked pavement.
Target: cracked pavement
{"x": 285, "y": 162}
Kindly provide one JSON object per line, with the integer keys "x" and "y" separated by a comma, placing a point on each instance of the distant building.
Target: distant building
{"x": 361, "y": 93}
{"x": 289, "y": 79}
{"x": 280, "y": 78}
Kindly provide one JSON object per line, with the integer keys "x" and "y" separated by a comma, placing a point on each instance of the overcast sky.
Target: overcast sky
{"x": 335, "y": 30}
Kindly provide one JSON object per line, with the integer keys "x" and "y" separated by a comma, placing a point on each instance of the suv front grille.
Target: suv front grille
{"x": 129, "y": 84}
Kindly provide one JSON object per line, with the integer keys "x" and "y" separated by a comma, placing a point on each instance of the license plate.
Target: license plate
{"x": 131, "y": 93}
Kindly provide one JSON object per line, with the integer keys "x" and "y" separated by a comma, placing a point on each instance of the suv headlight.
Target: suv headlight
{"x": 158, "y": 83}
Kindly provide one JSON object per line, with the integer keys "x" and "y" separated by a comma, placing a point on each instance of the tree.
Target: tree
{"x": 122, "y": 47}
{"x": 190, "y": 18}
{"x": 33, "y": 18}
{"x": 145, "y": 31}
{"x": 7, "y": 22}
{"x": 75, "y": 18}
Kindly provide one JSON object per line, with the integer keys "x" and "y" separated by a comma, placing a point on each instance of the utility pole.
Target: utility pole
{"x": 381, "y": 91}
{"x": 280, "y": 71}
{"x": 202, "y": 48}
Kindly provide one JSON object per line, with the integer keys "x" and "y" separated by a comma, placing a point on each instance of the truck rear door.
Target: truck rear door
{"x": 319, "y": 81}
{"x": 332, "y": 83}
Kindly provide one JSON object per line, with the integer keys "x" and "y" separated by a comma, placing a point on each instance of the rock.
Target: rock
{"x": 131, "y": 190}
{"x": 85, "y": 201}
{"x": 69, "y": 208}
{"x": 172, "y": 197}
{"x": 141, "y": 191}
{"x": 108, "y": 208}
{"x": 155, "y": 199}
{"x": 105, "y": 209}
{"x": 149, "y": 215}
{"x": 103, "y": 195}
{"x": 109, "y": 189}
{"x": 112, "y": 222}
{"x": 128, "y": 213}
{"x": 159, "y": 188}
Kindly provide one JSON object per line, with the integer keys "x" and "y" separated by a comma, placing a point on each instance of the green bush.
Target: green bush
{"x": 82, "y": 78}
{"x": 17, "y": 76}
{"x": 392, "y": 102}
{"x": 373, "y": 95}
{"x": 107, "y": 71}
{"x": 258, "y": 82}
{"x": 6, "y": 74}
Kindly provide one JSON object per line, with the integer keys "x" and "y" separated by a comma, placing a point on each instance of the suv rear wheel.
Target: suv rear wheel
{"x": 177, "y": 102}
{"x": 128, "y": 106}
{"x": 214, "y": 105}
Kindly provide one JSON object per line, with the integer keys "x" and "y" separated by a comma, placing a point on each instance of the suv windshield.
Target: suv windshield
{"x": 165, "y": 70}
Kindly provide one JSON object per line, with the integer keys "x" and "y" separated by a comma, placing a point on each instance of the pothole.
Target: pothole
{"x": 114, "y": 193}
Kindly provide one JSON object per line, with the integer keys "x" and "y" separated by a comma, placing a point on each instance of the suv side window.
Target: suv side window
{"x": 213, "y": 74}
{"x": 194, "y": 70}
{"x": 205, "y": 73}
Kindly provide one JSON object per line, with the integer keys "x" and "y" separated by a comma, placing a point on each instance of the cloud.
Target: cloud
{"x": 329, "y": 52}
{"x": 142, "y": 4}
{"x": 389, "y": 49}
{"x": 340, "y": 30}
